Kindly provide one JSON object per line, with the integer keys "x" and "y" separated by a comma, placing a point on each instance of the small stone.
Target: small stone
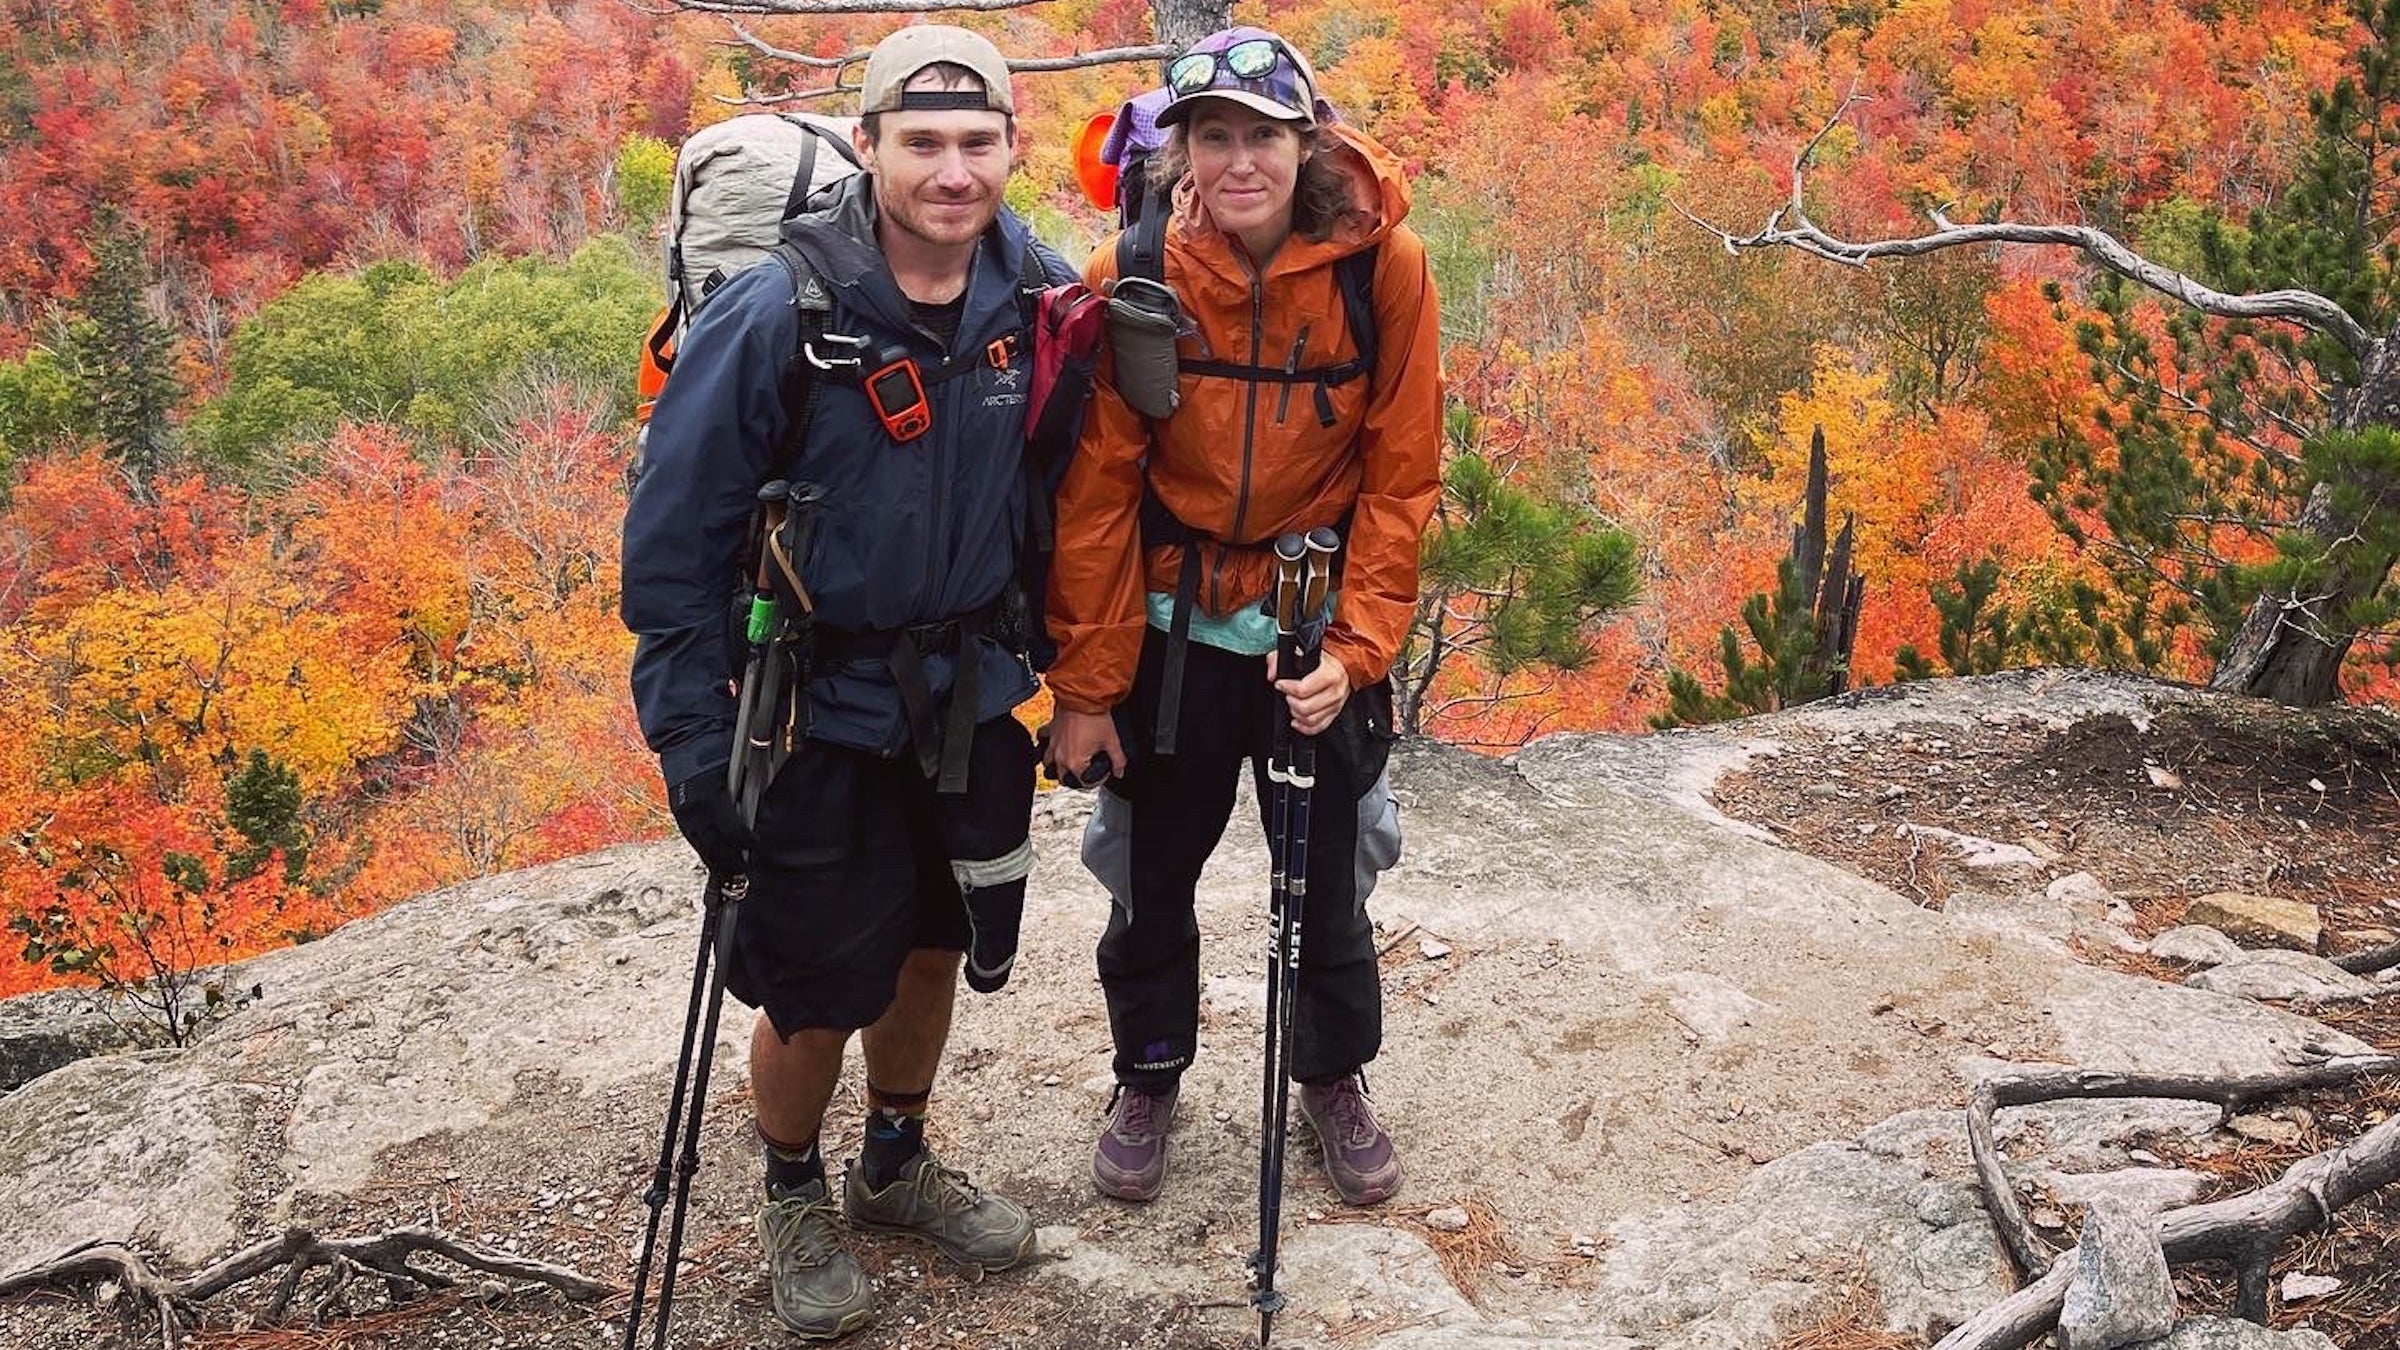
{"x": 1448, "y": 1219}
{"x": 2196, "y": 945}
{"x": 2297, "y": 1286}
{"x": 1224, "y": 1116}
{"x": 2266, "y": 920}
{"x": 1050, "y": 1080}
{"x": 2265, "y": 1129}
{"x": 1433, "y": 949}
{"x": 2162, "y": 778}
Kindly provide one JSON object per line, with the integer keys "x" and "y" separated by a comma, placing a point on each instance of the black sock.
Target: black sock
{"x": 791, "y": 1167}
{"x": 895, "y": 1134}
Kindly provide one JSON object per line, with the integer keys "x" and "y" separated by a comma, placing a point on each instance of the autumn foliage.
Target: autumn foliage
{"x": 356, "y": 636}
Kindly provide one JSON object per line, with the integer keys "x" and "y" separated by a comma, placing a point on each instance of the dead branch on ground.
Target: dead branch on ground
{"x": 2371, "y": 960}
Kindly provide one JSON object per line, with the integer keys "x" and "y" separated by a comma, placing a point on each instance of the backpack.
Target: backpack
{"x": 736, "y": 183}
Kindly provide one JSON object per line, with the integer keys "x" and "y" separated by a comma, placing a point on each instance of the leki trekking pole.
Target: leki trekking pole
{"x": 747, "y": 772}
{"x": 1303, "y": 573}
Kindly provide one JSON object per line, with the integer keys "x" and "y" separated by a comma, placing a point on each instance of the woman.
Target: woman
{"x": 1166, "y": 525}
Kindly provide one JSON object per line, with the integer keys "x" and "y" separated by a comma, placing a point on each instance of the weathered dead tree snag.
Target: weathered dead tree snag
{"x": 2293, "y": 636}
{"x": 387, "y": 1257}
{"x": 2245, "y": 1229}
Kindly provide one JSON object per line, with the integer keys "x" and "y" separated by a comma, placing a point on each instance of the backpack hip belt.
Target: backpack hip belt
{"x": 1162, "y": 528}
{"x": 942, "y": 742}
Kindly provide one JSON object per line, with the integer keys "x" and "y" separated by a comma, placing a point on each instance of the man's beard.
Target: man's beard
{"x": 916, "y": 218}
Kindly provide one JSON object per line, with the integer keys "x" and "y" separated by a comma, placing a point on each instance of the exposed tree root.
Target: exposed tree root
{"x": 296, "y": 1253}
{"x": 2051, "y": 1085}
{"x": 2244, "y": 1229}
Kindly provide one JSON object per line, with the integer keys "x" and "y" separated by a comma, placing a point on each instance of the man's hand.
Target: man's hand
{"x": 704, "y": 811}
{"x": 1316, "y": 700}
{"x": 1075, "y": 740}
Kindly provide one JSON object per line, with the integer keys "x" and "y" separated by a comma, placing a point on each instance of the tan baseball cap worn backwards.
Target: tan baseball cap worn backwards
{"x": 897, "y": 59}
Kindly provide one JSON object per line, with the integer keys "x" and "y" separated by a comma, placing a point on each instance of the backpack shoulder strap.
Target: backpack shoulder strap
{"x": 805, "y": 179}
{"x": 1356, "y": 276}
{"x": 1032, "y": 280}
{"x": 1142, "y": 244}
{"x": 814, "y": 304}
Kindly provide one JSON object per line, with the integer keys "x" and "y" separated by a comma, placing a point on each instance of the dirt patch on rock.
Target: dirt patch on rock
{"x": 2208, "y": 796}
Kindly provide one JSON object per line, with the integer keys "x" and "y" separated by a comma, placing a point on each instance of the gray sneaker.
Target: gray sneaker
{"x": 973, "y": 1227}
{"x": 820, "y": 1292}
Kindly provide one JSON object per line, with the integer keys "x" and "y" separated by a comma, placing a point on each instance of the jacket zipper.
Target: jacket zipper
{"x": 1291, "y": 366}
{"x": 1241, "y": 500}
{"x": 936, "y": 531}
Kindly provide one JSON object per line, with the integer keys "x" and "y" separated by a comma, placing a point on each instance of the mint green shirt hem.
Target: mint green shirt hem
{"x": 1248, "y": 631}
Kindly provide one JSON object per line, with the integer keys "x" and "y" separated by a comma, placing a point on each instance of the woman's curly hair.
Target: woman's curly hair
{"x": 1319, "y": 196}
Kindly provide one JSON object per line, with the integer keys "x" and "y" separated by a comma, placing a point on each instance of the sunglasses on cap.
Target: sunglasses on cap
{"x": 1248, "y": 59}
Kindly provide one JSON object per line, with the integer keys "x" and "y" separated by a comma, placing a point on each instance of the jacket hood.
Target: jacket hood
{"x": 1378, "y": 203}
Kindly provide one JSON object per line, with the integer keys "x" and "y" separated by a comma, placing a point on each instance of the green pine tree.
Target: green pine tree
{"x": 2243, "y": 428}
{"x": 262, "y": 803}
{"x": 1513, "y": 578}
{"x": 122, "y": 356}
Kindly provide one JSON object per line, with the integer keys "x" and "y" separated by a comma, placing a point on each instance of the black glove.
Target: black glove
{"x": 704, "y": 811}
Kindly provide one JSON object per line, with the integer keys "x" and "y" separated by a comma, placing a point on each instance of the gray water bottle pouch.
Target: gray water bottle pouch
{"x": 1143, "y": 318}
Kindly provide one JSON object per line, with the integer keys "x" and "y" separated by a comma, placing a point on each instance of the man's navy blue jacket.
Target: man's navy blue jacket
{"x": 908, "y": 533}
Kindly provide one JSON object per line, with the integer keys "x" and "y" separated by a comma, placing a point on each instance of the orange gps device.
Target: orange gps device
{"x": 897, "y": 393}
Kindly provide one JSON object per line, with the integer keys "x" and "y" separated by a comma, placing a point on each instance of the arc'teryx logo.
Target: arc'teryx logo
{"x": 1003, "y": 387}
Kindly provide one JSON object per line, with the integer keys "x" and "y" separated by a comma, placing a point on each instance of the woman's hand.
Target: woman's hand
{"x": 1316, "y": 700}
{"x": 1076, "y": 739}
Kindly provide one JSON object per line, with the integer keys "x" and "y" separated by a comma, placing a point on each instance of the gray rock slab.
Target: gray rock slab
{"x": 2197, "y": 945}
{"x": 127, "y": 1147}
{"x": 41, "y": 1032}
{"x": 1671, "y": 1016}
{"x": 2283, "y": 976}
{"x": 2146, "y": 1188}
{"x": 2221, "y": 1333}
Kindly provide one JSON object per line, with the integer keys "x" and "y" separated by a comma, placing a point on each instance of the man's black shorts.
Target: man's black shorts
{"x": 852, "y": 872}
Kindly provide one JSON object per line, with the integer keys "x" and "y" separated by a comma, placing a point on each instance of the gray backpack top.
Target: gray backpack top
{"x": 735, "y": 185}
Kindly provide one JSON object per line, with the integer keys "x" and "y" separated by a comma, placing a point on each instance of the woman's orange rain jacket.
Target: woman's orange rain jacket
{"x": 1244, "y": 461}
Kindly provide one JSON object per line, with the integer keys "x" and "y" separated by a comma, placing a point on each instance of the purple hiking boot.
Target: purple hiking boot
{"x": 1131, "y": 1160}
{"x": 1358, "y": 1154}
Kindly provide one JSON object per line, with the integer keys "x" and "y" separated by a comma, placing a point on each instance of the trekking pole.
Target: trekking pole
{"x": 1299, "y": 594}
{"x": 761, "y": 690}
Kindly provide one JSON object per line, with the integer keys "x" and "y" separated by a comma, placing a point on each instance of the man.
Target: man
{"x": 870, "y": 871}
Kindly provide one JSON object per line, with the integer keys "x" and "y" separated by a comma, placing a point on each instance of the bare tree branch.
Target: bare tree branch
{"x": 2304, "y": 308}
{"x": 1020, "y": 65}
{"x": 844, "y": 83}
{"x": 2050, "y": 1085}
